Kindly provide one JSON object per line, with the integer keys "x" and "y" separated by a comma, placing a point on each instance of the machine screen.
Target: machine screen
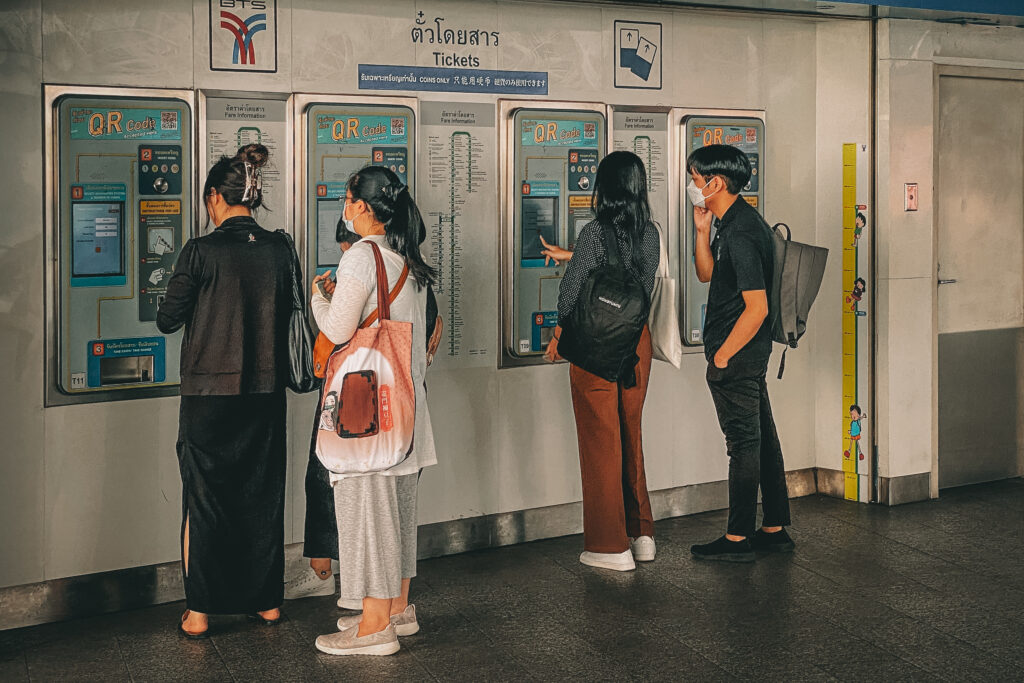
{"x": 328, "y": 213}
{"x": 540, "y": 219}
{"x": 97, "y": 237}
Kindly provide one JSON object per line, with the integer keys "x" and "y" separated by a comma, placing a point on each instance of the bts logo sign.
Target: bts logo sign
{"x": 243, "y": 35}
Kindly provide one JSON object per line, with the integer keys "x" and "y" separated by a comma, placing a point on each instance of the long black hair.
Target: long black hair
{"x": 228, "y": 176}
{"x": 620, "y": 199}
{"x": 393, "y": 206}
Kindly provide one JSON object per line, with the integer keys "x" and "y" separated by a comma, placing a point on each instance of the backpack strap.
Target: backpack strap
{"x": 383, "y": 310}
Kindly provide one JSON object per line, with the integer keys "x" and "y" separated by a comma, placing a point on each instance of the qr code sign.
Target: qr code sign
{"x": 168, "y": 120}
{"x": 397, "y": 126}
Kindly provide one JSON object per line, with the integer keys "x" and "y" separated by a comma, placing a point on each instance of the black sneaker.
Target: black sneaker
{"x": 779, "y": 542}
{"x": 724, "y": 550}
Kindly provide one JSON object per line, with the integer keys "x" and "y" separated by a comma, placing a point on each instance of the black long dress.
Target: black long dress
{"x": 231, "y": 290}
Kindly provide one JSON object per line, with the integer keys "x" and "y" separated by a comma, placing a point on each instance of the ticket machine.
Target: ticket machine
{"x": 551, "y": 153}
{"x": 337, "y": 137}
{"x": 120, "y": 182}
{"x": 744, "y": 130}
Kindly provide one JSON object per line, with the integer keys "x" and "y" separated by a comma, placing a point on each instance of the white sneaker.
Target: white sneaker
{"x": 620, "y": 562}
{"x": 348, "y": 642}
{"x": 354, "y": 605}
{"x": 405, "y": 623}
{"x": 308, "y": 584}
{"x": 643, "y": 549}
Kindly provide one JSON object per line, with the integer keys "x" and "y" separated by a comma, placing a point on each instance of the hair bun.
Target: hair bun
{"x": 256, "y": 154}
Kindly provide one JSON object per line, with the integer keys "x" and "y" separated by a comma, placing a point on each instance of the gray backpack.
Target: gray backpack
{"x": 796, "y": 279}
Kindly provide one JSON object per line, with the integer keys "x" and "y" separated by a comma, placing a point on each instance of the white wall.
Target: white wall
{"x": 910, "y": 52}
{"x": 95, "y": 487}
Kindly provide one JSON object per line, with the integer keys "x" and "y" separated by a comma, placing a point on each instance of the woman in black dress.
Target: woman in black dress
{"x": 232, "y": 291}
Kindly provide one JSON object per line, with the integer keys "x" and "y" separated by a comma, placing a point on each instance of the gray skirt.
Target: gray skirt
{"x": 376, "y": 534}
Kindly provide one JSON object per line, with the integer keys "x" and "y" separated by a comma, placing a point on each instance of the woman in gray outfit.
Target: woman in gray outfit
{"x": 376, "y": 512}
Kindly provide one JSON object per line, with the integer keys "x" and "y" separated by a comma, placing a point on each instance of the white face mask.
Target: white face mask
{"x": 349, "y": 225}
{"x": 696, "y": 194}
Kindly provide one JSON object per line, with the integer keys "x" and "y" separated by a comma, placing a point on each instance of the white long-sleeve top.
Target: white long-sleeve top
{"x": 355, "y": 298}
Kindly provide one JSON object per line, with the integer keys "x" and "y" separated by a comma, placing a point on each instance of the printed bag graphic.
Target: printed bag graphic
{"x": 369, "y": 400}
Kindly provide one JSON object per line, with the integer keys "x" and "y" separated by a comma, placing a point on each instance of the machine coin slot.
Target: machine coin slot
{"x": 550, "y": 185}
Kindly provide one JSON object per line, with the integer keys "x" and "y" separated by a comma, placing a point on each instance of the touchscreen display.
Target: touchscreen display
{"x": 328, "y": 213}
{"x": 540, "y": 219}
{"x": 97, "y": 239}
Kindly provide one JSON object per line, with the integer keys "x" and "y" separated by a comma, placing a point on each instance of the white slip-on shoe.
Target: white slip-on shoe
{"x": 354, "y": 605}
{"x": 405, "y": 623}
{"x": 620, "y": 562}
{"x": 644, "y": 549}
{"x": 348, "y": 642}
{"x": 308, "y": 584}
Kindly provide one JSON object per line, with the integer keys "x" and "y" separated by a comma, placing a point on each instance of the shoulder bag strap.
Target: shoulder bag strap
{"x": 383, "y": 310}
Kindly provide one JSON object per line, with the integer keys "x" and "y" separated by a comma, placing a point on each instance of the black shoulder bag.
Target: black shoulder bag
{"x": 301, "y": 379}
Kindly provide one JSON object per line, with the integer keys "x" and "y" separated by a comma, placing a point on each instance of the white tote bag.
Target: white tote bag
{"x": 664, "y": 320}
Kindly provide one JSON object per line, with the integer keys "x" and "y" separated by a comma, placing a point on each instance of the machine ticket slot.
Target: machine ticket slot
{"x": 556, "y": 158}
{"x": 341, "y": 139}
{"x": 124, "y": 176}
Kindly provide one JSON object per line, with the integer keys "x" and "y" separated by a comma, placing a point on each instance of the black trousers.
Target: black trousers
{"x": 740, "y": 394}
{"x": 321, "y": 532}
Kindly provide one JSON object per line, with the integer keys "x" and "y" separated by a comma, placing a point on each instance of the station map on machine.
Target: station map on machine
{"x": 457, "y": 205}
{"x": 646, "y": 135}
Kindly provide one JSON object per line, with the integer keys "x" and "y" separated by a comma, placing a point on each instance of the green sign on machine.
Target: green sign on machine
{"x": 124, "y": 123}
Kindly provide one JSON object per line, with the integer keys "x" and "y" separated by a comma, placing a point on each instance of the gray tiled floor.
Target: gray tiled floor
{"x": 933, "y": 591}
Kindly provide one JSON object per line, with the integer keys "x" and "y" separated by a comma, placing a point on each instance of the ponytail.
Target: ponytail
{"x": 393, "y": 205}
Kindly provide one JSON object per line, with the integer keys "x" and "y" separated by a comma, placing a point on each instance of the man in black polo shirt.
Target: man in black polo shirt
{"x": 738, "y": 344}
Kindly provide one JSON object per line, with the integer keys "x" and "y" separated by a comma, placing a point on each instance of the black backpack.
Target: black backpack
{"x": 799, "y": 269}
{"x": 603, "y": 331}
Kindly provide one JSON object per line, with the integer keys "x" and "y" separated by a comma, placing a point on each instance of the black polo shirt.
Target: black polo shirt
{"x": 744, "y": 256}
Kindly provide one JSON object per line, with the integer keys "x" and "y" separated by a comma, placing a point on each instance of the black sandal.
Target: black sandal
{"x": 264, "y": 621}
{"x": 190, "y": 634}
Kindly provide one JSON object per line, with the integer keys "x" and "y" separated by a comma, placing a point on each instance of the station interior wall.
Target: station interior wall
{"x": 910, "y": 54}
{"x": 95, "y": 487}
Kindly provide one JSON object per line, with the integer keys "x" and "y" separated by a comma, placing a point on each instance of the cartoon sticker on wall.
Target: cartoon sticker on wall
{"x": 856, "y": 416}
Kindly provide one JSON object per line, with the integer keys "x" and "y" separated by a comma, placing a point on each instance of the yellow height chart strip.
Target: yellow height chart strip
{"x": 849, "y": 318}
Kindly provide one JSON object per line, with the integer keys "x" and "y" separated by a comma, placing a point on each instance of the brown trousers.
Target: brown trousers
{"x": 608, "y": 424}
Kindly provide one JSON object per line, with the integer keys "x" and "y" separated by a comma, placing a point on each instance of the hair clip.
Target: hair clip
{"x": 253, "y": 181}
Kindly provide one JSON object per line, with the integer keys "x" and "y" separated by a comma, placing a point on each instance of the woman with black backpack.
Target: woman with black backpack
{"x": 603, "y": 303}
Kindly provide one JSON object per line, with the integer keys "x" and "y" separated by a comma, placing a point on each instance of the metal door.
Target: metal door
{"x": 980, "y": 207}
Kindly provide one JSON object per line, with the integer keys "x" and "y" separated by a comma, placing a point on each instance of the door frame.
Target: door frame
{"x": 947, "y": 71}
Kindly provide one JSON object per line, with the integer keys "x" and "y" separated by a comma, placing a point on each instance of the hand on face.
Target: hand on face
{"x": 702, "y": 218}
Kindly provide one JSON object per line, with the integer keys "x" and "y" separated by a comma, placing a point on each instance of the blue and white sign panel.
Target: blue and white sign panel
{"x": 440, "y": 79}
